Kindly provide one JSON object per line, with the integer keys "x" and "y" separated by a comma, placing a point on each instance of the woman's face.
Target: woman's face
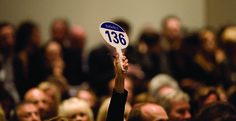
{"x": 208, "y": 42}
{"x": 79, "y": 115}
{"x": 35, "y": 37}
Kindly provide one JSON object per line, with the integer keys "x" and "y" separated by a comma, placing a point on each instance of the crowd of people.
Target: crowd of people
{"x": 172, "y": 75}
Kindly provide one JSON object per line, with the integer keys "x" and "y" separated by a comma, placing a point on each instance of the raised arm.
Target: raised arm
{"x": 120, "y": 75}
{"x": 119, "y": 95}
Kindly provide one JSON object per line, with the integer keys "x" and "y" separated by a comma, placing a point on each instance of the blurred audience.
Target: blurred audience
{"x": 11, "y": 73}
{"x": 204, "y": 96}
{"x": 76, "y": 68}
{"x": 2, "y": 114}
{"x": 27, "y": 49}
{"x": 28, "y": 41}
{"x": 161, "y": 64}
{"x": 217, "y": 111}
{"x": 210, "y": 60}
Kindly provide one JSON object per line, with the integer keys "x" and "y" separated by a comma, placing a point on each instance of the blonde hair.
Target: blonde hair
{"x": 48, "y": 85}
{"x": 103, "y": 110}
{"x": 68, "y": 106}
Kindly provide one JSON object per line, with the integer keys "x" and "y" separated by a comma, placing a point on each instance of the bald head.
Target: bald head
{"x": 39, "y": 99}
{"x": 153, "y": 112}
{"x": 147, "y": 112}
{"x": 78, "y": 37}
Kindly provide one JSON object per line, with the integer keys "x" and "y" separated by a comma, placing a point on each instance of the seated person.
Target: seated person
{"x": 216, "y": 111}
{"x": 39, "y": 99}
{"x": 75, "y": 110}
{"x": 147, "y": 112}
{"x": 119, "y": 95}
{"x": 142, "y": 112}
{"x": 26, "y": 111}
{"x": 176, "y": 105}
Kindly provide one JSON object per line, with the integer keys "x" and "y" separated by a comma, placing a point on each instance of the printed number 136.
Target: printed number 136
{"x": 117, "y": 39}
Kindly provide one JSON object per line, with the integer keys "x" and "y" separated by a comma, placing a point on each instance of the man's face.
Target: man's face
{"x": 58, "y": 32}
{"x": 173, "y": 29}
{"x": 152, "y": 112}
{"x": 180, "y": 111}
{"x": 39, "y": 98}
{"x": 7, "y": 37}
{"x": 28, "y": 112}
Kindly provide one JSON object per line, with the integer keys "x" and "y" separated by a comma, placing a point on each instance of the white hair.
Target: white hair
{"x": 175, "y": 95}
{"x": 67, "y": 107}
{"x": 159, "y": 81}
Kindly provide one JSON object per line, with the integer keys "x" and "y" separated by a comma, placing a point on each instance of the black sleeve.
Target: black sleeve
{"x": 117, "y": 106}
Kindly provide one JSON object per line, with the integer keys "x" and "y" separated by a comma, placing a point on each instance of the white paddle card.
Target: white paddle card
{"x": 115, "y": 36}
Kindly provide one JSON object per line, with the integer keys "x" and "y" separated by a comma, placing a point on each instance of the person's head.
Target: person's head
{"x": 160, "y": 85}
{"x": 89, "y": 96}
{"x": 59, "y": 30}
{"x": 150, "y": 40}
{"x": 53, "y": 95}
{"x": 61, "y": 83}
{"x": 147, "y": 112}
{"x": 206, "y": 95}
{"x": 26, "y": 111}
{"x": 228, "y": 38}
{"x": 39, "y": 99}
{"x": 76, "y": 110}
{"x": 124, "y": 25}
{"x": 207, "y": 39}
{"x": 176, "y": 105}
{"x": 78, "y": 37}
{"x": 217, "y": 111}
{"x": 103, "y": 110}
{"x": 53, "y": 51}
{"x": 171, "y": 26}
{"x": 7, "y": 40}
{"x": 27, "y": 35}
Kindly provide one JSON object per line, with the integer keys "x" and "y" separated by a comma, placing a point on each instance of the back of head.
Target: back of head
{"x": 159, "y": 81}
{"x": 136, "y": 114}
{"x": 123, "y": 24}
{"x": 149, "y": 37}
{"x": 23, "y": 35}
{"x": 217, "y": 111}
{"x": 147, "y": 112}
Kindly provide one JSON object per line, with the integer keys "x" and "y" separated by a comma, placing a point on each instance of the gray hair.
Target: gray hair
{"x": 159, "y": 81}
{"x": 167, "y": 99}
